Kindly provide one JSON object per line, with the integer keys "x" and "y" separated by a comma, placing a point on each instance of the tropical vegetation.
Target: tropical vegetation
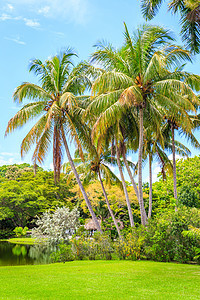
{"x": 133, "y": 100}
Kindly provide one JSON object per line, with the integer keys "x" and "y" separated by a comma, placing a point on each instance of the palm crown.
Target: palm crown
{"x": 61, "y": 86}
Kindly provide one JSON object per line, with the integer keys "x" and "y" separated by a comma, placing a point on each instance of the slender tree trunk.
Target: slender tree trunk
{"x": 79, "y": 182}
{"x": 141, "y": 202}
{"x": 174, "y": 164}
{"x": 150, "y": 186}
{"x": 108, "y": 204}
{"x": 124, "y": 186}
{"x": 130, "y": 175}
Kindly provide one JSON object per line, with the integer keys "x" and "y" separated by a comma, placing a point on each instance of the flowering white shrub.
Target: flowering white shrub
{"x": 58, "y": 225}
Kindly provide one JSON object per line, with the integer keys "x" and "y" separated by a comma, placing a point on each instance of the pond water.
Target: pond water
{"x": 16, "y": 254}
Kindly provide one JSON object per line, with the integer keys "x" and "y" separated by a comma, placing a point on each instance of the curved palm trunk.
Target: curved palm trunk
{"x": 124, "y": 186}
{"x": 79, "y": 182}
{"x": 150, "y": 186}
{"x": 141, "y": 202}
{"x": 130, "y": 175}
{"x": 174, "y": 164}
{"x": 56, "y": 154}
{"x": 108, "y": 204}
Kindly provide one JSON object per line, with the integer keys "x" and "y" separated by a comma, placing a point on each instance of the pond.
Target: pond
{"x": 16, "y": 254}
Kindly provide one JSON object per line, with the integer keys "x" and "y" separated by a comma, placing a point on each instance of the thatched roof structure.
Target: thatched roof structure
{"x": 90, "y": 225}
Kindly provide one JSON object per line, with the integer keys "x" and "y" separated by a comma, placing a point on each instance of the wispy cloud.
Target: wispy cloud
{"x": 28, "y": 22}
{"x": 71, "y": 10}
{"x": 31, "y": 23}
{"x": 8, "y": 154}
{"x": 8, "y": 158}
{"x": 44, "y": 10}
{"x": 10, "y": 7}
{"x": 16, "y": 40}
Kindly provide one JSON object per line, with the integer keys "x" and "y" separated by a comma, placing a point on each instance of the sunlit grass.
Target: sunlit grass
{"x": 101, "y": 280}
{"x": 27, "y": 241}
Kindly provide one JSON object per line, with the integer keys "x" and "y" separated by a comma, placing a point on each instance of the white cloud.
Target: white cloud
{"x": 10, "y": 7}
{"x": 28, "y": 22}
{"x": 60, "y": 34}
{"x": 71, "y": 10}
{"x": 177, "y": 156}
{"x": 5, "y": 17}
{"x": 31, "y": 23}
{"x": 16, "y": 40}
{"x": 7, "y": 158}
{"x": 44, "y": 10}
{"x": 8, "y": 154}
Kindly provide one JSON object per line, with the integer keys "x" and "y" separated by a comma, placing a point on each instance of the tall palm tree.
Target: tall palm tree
{"x": 189, "y": 11}
{"x": 137, "y": 76}
{"x": 54, "y": 102}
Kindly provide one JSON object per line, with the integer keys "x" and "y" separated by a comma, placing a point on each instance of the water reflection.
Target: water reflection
{"x": 12, "y": 254}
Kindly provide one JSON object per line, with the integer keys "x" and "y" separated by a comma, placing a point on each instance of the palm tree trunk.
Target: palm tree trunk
{"x": 79, "y": 182}
{"x": 141, "y": 202}
{"x": 130, "y": 175}
{"x": 124, "y": 186}
{"x": 150, "y": 186}
{"x": 108, "y": 204}
{"x": 174, "y": 164}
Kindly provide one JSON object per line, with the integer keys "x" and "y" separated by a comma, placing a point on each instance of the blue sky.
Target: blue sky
{"x": 41, "y": 28}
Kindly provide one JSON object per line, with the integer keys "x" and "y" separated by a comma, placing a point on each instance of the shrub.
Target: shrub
{"x": 132, "y": 245}
{"x": 188, "y": 196}
{"x": 6, "y": 233}
{"x": 96, "y": 247}
{"x": 164, "y": 238}
{"x": 20, "y": 231}
{"x": 63, "y": 254}
{"x": 58, "y": 225}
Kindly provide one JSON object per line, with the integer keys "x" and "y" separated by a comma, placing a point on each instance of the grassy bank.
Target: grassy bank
{"x": 101, "y": 280}
{"x": 27, "y": 241}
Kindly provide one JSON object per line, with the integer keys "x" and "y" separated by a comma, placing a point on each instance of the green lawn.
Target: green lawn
{"x": 101, "y": 280}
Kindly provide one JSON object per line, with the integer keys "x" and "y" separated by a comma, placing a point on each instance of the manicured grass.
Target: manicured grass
{"x": 101, "y": 280}
{"x": 27, "y": 241}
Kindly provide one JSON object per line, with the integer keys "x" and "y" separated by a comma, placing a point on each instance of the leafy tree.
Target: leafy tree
{"x": 22, "y": 198}
{"x": 188, "y": 197}
{"x": 188, "y": 185}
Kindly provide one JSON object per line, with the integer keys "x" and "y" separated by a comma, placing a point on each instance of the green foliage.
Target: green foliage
{"x": 165, "y": 241}
{"x": 188, "y": 197}
{"x": 27, "y": 195}
{"x": 6, "y": 233}
{"x": 188, "y": 185}
{"x": 63, "y": 254}
{"x": 131, "y": 246}
{"x": 20, "y": 232}
{"x": 97, "y": 247}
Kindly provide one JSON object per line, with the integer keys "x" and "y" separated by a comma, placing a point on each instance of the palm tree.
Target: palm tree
{"x": 54, "y": 103}
{"x": 178, "y": 120}
{"x": 95, "y": 166}
{"x": 137, "y": 76}
{"x": 189, "y": 11}
{"x": 155, "y": 145}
